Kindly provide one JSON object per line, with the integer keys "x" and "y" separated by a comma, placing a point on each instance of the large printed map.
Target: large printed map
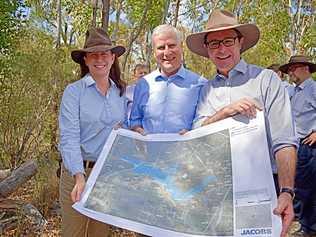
{"x": 181, "y": 186}
{"x": 212, "y": 181}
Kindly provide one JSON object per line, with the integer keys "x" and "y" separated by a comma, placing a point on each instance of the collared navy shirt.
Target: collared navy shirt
{"x": 304, "y": 107}
{"x": 166, "y": 104}
{"x": 85, "y": 121}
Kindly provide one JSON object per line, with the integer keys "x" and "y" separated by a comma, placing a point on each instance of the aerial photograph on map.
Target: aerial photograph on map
{"x": 183, "y": 186}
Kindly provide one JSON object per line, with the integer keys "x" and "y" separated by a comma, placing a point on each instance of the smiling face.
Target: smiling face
{"x": 99, "y": 63}
{"x": 167, "y": 52}
{"x": 224, "y": 57}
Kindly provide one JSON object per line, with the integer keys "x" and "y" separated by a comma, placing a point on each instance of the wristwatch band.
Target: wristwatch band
{"x": 289, "y": 191}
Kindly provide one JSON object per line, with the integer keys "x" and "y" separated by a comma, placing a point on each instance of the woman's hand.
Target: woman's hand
{"x": 78, "y": 188}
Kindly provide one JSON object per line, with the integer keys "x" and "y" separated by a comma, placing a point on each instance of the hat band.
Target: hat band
{"x": 220, "y": 26}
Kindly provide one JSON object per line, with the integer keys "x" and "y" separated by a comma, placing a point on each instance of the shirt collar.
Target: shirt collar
{"x": 89, "y": 81}
{"x": 241, "y": 67}
{"x": 180, "y": 74}
{"x": 305, "y": 83}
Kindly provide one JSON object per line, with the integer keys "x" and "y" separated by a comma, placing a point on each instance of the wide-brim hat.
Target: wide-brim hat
{"x": 299, "y": 59}
{"x": 97, "y": 40}
{"x": 223, "y": 20}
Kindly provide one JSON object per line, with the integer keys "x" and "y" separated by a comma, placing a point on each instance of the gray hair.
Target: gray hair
{"x": 161, "y": 29}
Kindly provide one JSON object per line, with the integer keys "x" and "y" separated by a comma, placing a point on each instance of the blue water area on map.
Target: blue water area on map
{"x": 165, "y": 179}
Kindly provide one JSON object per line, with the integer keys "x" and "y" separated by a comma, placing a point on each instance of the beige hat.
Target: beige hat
{"x": 299, "y": 59}
{"x": 97, "y": 40}
{"x": 223, "y": 20}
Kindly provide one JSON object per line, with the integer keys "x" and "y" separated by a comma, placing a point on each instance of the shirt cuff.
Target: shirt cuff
{"x": 73, "y": 162}
{"x": 134, "y": 123}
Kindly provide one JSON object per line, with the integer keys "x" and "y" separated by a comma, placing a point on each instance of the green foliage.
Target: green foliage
{"x": 27, "y": 95}
{"x": 273, "y": 21}
{"x": 134, "y": 10}
{"x": 8, "y": 24}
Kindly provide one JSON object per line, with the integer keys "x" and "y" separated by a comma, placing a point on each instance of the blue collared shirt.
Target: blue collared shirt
{"x": 289, "y": 88}
{"x": 85, "y": 121}
{"x": 304, "y": 107}
{"x": 166, "y": 104}
{"x": 264, "y": 86}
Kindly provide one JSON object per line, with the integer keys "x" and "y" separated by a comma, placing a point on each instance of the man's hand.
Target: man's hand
{"x": 285, "y": 210}
{"x": 78, "y": 188}
{"x": 139, "y": 129}
{"x": 245, "y": 106}
{"x": 183, "y": 131}
{"x": 311, "y": 139}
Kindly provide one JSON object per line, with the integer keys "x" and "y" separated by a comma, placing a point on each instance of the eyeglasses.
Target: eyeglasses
{"x": 227, "y": 42}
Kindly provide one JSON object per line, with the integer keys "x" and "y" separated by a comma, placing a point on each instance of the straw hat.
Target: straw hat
{"x": 222, "y": 20}
{"x": 97, "y": 40}
{"x": 299, "y": 59}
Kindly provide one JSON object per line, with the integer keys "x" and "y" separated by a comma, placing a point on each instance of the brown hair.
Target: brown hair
{"x": 115, "y": 74}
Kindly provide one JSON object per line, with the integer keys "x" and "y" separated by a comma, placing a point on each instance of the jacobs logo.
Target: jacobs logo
{"x": 256, "y": 232}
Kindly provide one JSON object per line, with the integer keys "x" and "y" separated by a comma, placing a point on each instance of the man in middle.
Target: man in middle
{"x": 165, "y": 100}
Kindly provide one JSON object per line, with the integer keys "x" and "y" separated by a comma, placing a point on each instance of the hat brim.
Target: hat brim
{"x": 77, "y": 55}
{"x": 285, "y": 68}
{"x": 250, "y": 33}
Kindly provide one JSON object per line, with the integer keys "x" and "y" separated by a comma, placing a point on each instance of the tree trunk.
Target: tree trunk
{"x": 105, "y": 14}
{"x": 117, "y": 21}
{"x": 58, "y": 23}
{"x": 148, "y": 49}
{"x": 165, "y": 12}
{"x": 17, "y": 178}
{"x": 94, "y": 13}
{"x": 176, "y": 15}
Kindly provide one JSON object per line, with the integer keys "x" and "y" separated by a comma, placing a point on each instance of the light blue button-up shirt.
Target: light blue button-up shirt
{"x": 289, "y": 88}
{"x": 250, "y": 81}
{"x": 304, "y": 108}
{"x": 166, "y": 104}
{"x": 85, "y": 121}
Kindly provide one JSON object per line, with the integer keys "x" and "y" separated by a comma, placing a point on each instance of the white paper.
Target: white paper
{"x": 212, "y": 181}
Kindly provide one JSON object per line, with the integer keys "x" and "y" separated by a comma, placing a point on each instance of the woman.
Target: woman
{"x": 90, "y": 108}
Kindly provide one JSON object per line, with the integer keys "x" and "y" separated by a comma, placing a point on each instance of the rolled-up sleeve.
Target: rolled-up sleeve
{"x": 279, "y": 117}
{"x": 69, "y": 126}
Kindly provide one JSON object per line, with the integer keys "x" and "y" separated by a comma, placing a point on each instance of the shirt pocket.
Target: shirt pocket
{"x": 115, "y": 111}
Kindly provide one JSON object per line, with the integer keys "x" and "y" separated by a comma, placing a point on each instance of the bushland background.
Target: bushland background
{"x": 37, "y": 36}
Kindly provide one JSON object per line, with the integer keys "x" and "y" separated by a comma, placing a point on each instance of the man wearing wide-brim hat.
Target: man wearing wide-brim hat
{"x": 300, "y": 69}
{"x": 288, "y": 86}
{"x": 242, "y": 88}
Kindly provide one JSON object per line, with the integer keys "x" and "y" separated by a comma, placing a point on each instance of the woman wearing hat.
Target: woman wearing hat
{"x": 90, "y": 108}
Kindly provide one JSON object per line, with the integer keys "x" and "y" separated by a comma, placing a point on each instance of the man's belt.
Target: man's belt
{"x": 88, "y": 164}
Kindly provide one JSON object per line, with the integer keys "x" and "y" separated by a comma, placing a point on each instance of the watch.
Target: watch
{"x": 289, "y": 191}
